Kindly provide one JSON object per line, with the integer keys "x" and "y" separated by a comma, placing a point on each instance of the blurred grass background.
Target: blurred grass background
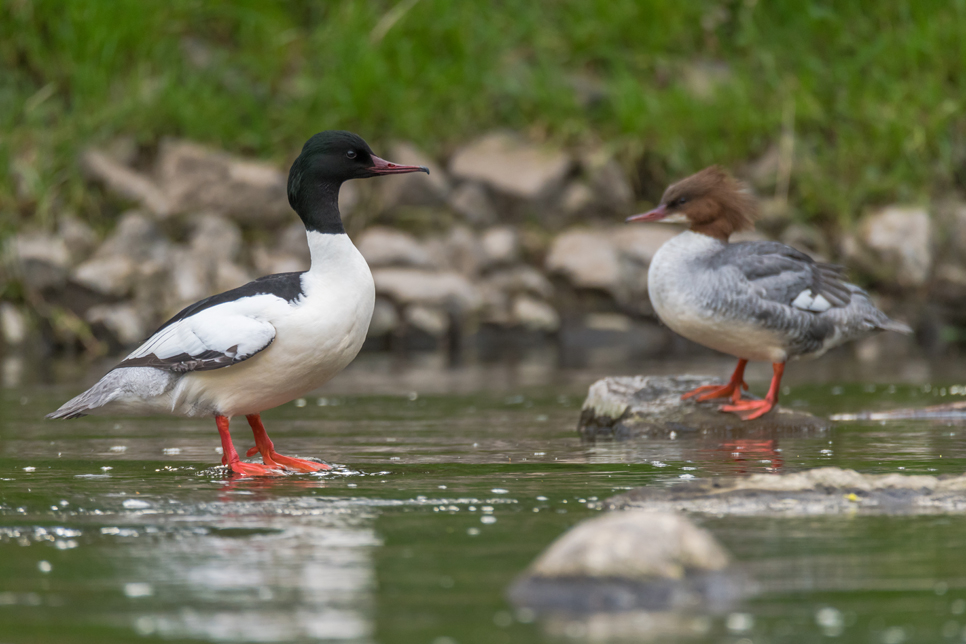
{"x": 872, "y": 91}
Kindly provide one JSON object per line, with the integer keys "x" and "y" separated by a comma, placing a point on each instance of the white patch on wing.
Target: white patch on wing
{"x": 227, "y": 328}
{"x": 814, "y": 303}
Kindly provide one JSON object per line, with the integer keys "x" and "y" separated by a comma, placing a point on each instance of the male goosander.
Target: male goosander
{"x": 761, "y": 301}
{"x": 267, "y": 342}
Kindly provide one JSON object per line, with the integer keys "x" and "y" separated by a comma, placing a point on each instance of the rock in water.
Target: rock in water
{"x": 820, "y": 491}
{"x": 651, "y": 406}
{"x": 634, "y": 560}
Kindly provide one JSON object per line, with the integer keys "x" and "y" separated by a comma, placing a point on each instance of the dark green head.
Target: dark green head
{"x": 328, "y": 159}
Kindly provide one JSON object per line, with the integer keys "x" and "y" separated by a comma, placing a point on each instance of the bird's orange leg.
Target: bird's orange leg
{"x": 751, "y": 409}
{"x": 732, "y": 389}
{"x": 230, "y": 456}
{"x": 271, "y": 458}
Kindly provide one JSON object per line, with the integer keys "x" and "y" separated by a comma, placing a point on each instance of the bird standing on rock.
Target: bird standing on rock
{"x": 761, "y": 300}
{"x": 267, "y": 342}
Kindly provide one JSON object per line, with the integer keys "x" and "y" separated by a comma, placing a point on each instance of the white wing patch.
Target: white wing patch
{"x": 212, "y": 338}
{"x": 806, "y": 301}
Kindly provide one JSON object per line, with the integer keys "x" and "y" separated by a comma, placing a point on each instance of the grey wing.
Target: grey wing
{"x": 783, "y": 275}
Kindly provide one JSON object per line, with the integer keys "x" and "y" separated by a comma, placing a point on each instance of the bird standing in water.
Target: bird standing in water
{"x": 270, "y": 341}
{"x": 761, "y": 300}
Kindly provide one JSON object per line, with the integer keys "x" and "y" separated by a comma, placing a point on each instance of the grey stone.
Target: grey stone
{"x": 611, "y": 189}
{"x": 39, "y": 260}
{"x": 416, "y": 189}
{"x": 902, "y": 240}
{"x": 651, "y": 406}
{"x": 501, "y": 246}
{"x": 80, "y": 239}
{"x": 135, "y": 236}
{"x": 431, "y": 320}
{"x": 126, "y": 182}
{"x": 387, "y": 247}
{"x": 820, "y": 491}
{"x": 447, "y": 289}
{"x": 216, "y": 238}
{"x": 586, "y": 258}
{"x": 631, "y": 560}
{"x": 110, "y": 275}
{"x": 512, "y": 166}
{"x": 123, "y": 320}
{"x": 385, "y": 319}
{"x": 641, "y": 242}
{"x": 535, "y": 315}
{"x": 472, "y": 202}
{"x": 577, "y": 200}
{"x": 462, "y": 251}
{"x": 632, "y": 545}
{"x": 521, "y": 279}
{"x": 196, "y": 178}
{"x": 13, "y": 324}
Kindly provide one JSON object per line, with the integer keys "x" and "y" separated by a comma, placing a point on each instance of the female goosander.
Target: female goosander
{"x": 761, "y": 301}
{"x": 267, "y": 342}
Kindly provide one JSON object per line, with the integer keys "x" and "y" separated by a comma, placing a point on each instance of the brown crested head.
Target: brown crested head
{"x": 714, "y": 203}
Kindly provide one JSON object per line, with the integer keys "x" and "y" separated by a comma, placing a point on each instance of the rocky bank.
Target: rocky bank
{"x": 504, "y": 235}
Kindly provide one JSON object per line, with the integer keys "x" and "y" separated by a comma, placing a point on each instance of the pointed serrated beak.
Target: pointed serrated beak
{"x": 660, "y": 214}
{"x": 381, "y": 166}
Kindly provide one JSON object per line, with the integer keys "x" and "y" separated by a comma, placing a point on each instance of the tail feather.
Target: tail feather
{"x": 132, "y": 389}
{"x": 81, "y": 405}
{"x": 893, "y": 325}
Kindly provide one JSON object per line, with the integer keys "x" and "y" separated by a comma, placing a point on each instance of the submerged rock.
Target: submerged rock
{"x": 824, "y": 490}
{"x": 635, "y": 560}
{"x": 651, "y": 406}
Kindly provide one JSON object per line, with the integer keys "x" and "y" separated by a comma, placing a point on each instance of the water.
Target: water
{"x": 450, "y": 483}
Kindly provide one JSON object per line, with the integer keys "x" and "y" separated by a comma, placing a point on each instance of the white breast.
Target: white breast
{"x": 684, "y": 292}
{"x": 317, "y": 336}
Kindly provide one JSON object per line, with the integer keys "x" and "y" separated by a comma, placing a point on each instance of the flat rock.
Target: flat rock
{"x": 124, "y": 181}
{"x": 902, "y": 240}
{"x": 471, "y": 200}
{"x": 194, "y": 177}
{"x": 634, "y": 560}
{"x": 409, "y": 286}
{"x": 511, "y": 165}
{"x": 382, "y": 246}
{"x": 825, "y": 490}
{"x": 586, "y": 258}
{"x": 651, "y": 406}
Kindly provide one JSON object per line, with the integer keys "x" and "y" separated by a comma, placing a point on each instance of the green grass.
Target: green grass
{"x": 877, "y": 86}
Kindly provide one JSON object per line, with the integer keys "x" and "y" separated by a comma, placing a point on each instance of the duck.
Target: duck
{"x": 270, "y": 341}
{"x": 756, "y": 300}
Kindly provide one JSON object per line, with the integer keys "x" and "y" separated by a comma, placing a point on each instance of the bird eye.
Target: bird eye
{"x": 351, "y": 154}
{"x": 680, "y": 201}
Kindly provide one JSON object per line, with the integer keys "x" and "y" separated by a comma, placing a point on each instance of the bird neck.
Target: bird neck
{"x": 319, "y": 208}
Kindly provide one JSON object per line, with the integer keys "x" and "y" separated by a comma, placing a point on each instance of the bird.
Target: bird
{"x": 756, "y": 300}
{"x": 270, "y": 341}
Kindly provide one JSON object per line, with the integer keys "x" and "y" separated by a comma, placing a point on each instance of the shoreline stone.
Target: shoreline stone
{"x": 651, "y": 406}
{"x": 820, "y": 491}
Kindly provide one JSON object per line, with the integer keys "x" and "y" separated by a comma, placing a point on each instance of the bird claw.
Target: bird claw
{"x": 750, "y": 409}
{"x": 711, "y": 392}
{"x": 299, "y": 464}
{"x": 253, "y": 469}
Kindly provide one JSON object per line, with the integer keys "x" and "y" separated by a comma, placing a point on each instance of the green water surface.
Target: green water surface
{"x": 120, "y": 529}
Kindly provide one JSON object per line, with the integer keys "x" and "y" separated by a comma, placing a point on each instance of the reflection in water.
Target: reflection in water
{"x": 268, "y": 571}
